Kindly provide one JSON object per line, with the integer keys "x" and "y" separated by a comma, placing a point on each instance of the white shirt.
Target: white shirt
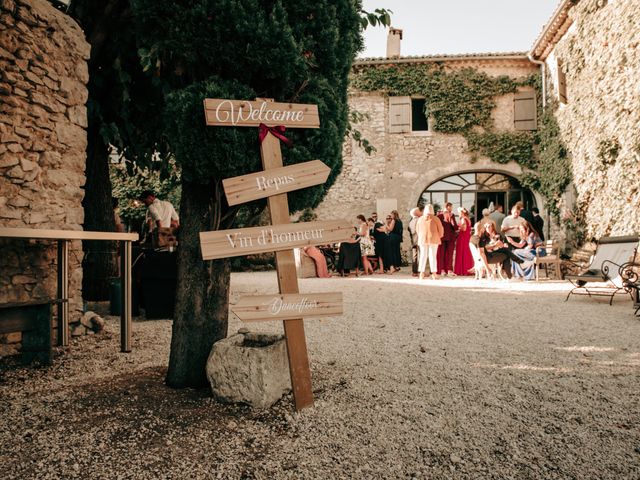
{"x": 162, "y": 211}
{"x": 511, "y": 221}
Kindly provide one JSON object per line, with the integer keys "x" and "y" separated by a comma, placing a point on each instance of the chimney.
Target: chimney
{"x": 393, "y": 42}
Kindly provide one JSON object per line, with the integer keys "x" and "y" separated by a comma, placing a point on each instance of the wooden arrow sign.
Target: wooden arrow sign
{"x": 272, "y": 182}
{"x": 245, "y": 113}
{"x": 248, "y": 241}
{"x": 288, "y": 306}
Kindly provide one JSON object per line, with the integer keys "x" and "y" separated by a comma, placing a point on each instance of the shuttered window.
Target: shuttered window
{"x": 399, "y": 114}
{"x": 562, "y": 84}
{"x": 524, "y": 111}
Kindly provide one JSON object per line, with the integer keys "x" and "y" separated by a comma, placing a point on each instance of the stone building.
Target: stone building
{"x": 43, "y": 70}
{"x": 590, "y": 51}
{"x": 414, "y": 163}
{"x": 595, "y": 44}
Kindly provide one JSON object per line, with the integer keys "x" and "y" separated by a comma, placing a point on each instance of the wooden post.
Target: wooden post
{"x": 288, "y": 283}
{"x": 63, "y": 293}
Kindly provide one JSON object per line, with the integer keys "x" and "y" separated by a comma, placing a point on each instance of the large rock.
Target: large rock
{"x": 249, "y": 368}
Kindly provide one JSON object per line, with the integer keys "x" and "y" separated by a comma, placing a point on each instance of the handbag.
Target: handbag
{"x": 366, "y": 247}
{"x": 163, "y": 237}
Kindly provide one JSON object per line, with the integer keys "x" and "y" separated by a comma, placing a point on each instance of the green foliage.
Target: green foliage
{"x": 380, "y": 16}
{"x": 552, "y": 171}
{"x": 287, "y": 50}
{"x": 128, "y": 185}
{"x": 356, "y": 117}
{"x": 461, "y": 101}
{"x": 307, "y": 215}
{"x": 124, "y": 102}
{"x": 457, "y": 100}
{"x": 503, "y": 147}
{"x": 575, "y": 224}
{"x": 209, "y": 152}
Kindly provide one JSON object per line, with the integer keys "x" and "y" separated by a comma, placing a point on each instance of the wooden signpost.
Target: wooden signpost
{"x": 281, "y": 236}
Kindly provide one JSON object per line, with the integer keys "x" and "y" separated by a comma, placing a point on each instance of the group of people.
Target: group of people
{"x": 438, "y": 239}
{"x": 513, "y": 243}
{"x": 374, "y": 245}
{"x": 442, "y": 243}
{"x": 510, "y": 240}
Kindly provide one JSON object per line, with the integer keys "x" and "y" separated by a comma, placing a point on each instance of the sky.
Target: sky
{"x": 459, "y": 26}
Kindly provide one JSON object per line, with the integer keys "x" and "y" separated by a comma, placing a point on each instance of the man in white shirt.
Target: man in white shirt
{"x": 511, "y": 223}
{"x": 160, "y": 213}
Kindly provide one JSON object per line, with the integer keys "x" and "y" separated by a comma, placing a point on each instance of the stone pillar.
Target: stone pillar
{"x": 43, "y": 117}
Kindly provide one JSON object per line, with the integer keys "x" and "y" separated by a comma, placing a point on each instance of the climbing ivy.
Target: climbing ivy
{"x": 503, "y": 147}
{"x": 457, "y": 100}
{"x": 461, "y": 101}
{"x": 356, "y": 117}
{"x": 552, "y": 172}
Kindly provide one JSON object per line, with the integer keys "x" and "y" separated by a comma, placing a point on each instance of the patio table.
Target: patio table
{"x": 63, "y": 237}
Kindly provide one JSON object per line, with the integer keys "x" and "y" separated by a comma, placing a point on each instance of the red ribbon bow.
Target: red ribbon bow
{"x": 277, "y": 132}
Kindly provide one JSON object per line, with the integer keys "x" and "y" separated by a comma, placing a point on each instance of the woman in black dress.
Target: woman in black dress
{"x": 380, "y": 237}
{"x": 393, "y": 259}
{"x": 349, "y": 257}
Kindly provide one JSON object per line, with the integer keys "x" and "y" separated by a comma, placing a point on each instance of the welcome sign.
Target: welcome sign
{"x": 245, "y": 113}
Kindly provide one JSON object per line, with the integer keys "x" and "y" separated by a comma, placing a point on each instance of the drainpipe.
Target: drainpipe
{"x": 543, "y": 72}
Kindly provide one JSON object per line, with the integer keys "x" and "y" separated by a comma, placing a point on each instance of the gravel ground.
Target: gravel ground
{"x": 448, "y": 379}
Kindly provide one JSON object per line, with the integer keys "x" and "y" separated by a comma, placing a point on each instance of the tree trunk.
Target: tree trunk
{"x": 100, "y": 258}
{"x": 202, "y": 296}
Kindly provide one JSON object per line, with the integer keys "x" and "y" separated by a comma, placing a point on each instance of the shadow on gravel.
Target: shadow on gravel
{"x": 131, "y": 423}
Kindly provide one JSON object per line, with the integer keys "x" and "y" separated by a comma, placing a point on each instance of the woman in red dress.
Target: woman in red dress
{"x": 464, "y": 261}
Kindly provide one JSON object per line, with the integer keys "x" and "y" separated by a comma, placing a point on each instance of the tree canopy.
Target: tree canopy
{"x": 290, "y": 51}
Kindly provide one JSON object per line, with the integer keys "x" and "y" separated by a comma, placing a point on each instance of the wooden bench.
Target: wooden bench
{"x": 33, "y": 319}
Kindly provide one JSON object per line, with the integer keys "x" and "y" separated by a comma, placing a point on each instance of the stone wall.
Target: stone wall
{"x": 406, "y": 163}
{"x": 43, "y": 69}
{"x": 600, "y": 122}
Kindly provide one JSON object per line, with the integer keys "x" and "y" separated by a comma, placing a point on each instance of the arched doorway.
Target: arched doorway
{"x": 476, "y": 190}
